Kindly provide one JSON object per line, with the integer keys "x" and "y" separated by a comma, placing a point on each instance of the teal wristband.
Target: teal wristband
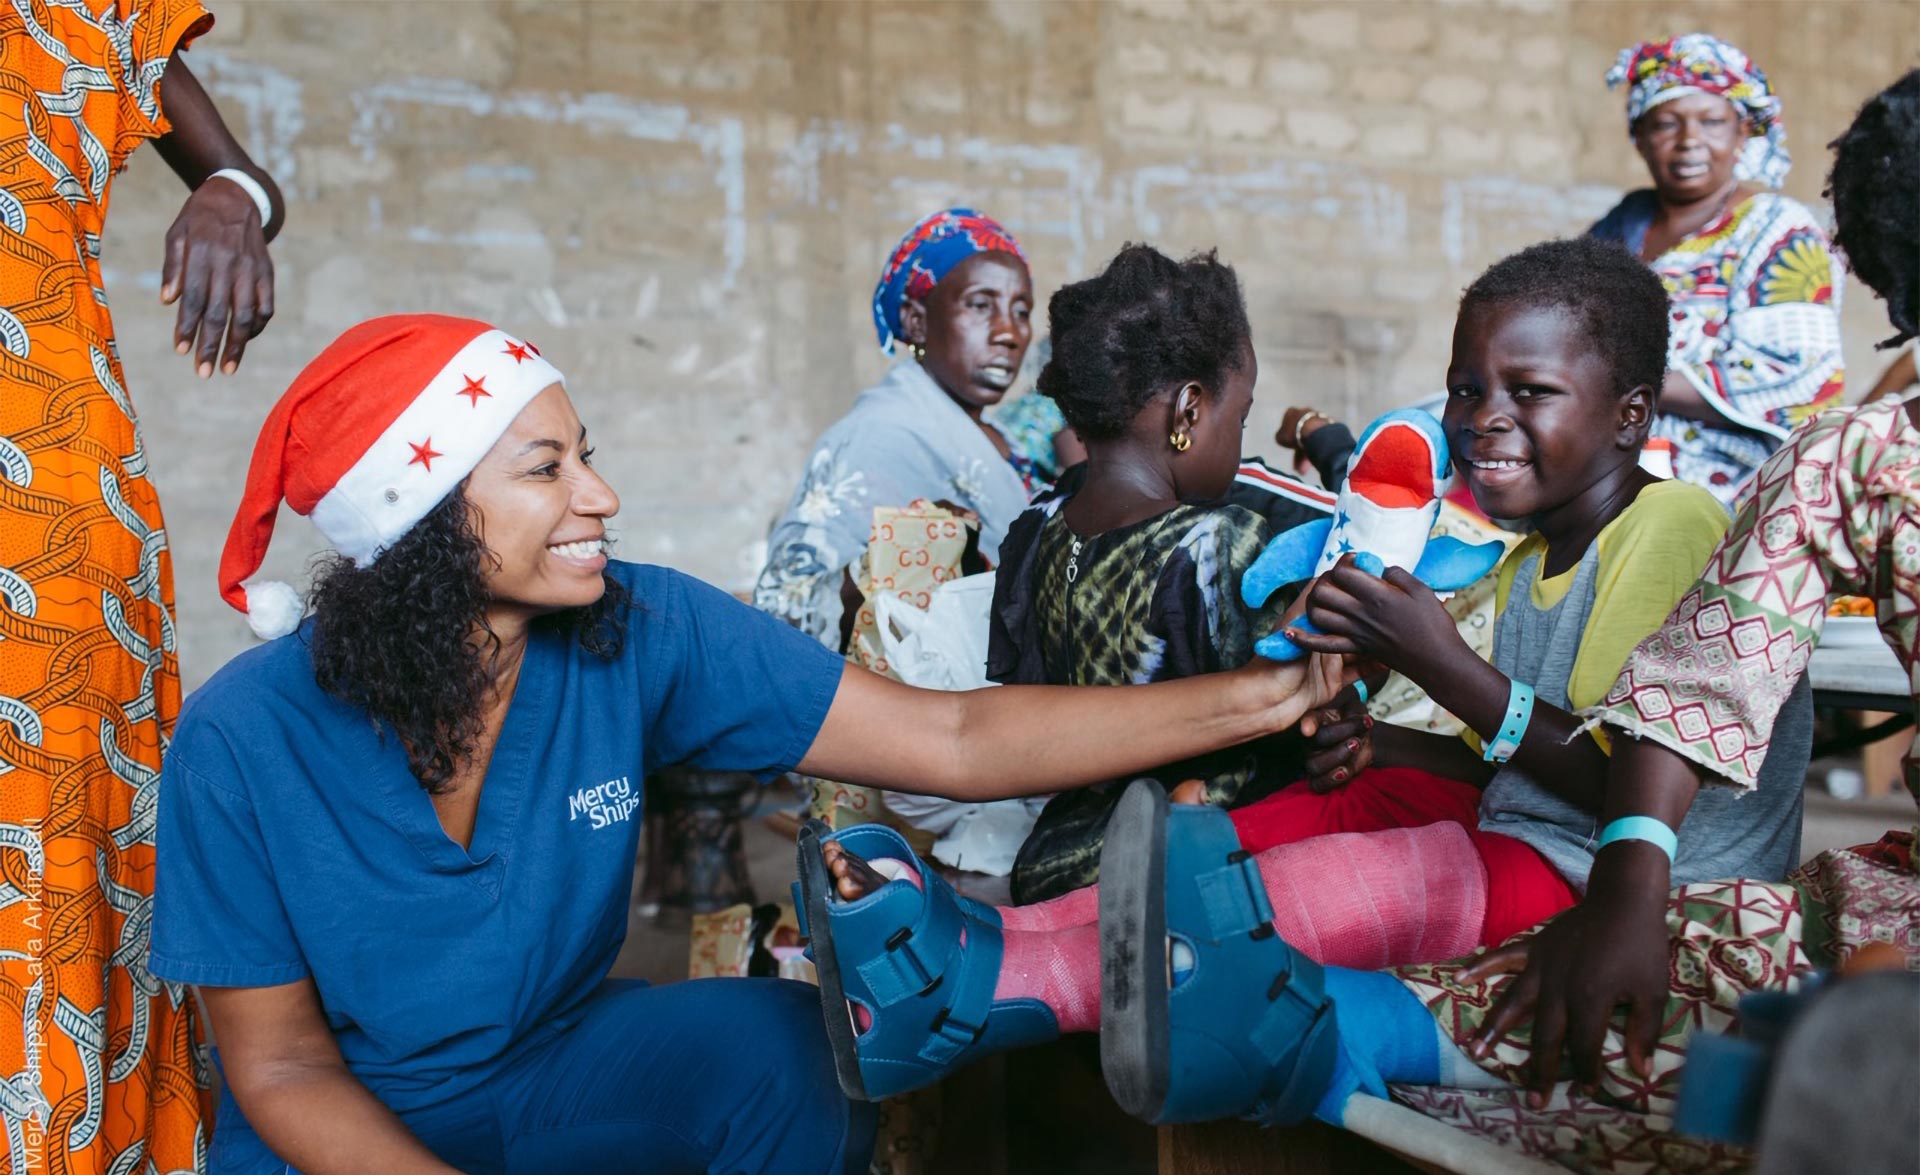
{"x": 1641, "y": 828}
{"x": 1513, "y": 727}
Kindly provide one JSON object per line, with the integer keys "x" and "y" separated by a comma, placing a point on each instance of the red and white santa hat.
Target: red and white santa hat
{"x": 371, "y": 436}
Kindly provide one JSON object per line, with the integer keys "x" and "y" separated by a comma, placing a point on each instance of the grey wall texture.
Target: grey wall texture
{"x": 686, "y": 204}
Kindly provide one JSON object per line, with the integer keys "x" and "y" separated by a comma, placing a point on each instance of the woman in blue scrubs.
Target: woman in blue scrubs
{"x": 396, "y": 844}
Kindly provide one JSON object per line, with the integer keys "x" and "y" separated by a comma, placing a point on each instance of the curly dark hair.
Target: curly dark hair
{"x": 395, "y": 638}
{"x": 1146, "y": 324}
{"x": 1620, "y": 305}
{"x": 1875, "y": 189}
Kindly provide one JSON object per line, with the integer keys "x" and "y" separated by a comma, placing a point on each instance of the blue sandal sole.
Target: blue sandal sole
{"x": 1134, "y": 1033}
{"x": 816, "y": 885}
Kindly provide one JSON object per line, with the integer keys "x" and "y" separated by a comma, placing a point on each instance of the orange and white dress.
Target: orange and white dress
{"x": 100, "y": 1064}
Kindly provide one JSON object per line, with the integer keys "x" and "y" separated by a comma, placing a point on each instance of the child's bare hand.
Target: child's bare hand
{"x": 1392, "y": 618}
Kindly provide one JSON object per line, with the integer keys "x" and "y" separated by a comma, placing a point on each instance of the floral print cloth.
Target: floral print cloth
{"x": 905, "y": 439}
{"x": 1754, "y": 327}
{"x": 1725, "y": 939}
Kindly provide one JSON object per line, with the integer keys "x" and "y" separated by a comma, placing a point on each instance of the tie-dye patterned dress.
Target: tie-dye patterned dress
{"x": 98, "y": 1064}
{"x": 1155, "y": 600}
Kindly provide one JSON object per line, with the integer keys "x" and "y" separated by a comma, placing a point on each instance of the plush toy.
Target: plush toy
{"x": 1383, "y": 516}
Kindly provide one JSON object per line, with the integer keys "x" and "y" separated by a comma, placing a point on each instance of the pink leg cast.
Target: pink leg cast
{"x": 1079, "y": 908}
{"x": 1060, "y": 968}
{"x": 1050, "y": 952}
{"x": 1379, "y": 899}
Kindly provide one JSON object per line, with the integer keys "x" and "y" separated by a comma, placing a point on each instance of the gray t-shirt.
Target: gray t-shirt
{"x": 1726, "y": 833}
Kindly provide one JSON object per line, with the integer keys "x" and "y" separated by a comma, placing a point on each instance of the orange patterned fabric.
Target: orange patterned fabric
{"x": 100, "y": 1068}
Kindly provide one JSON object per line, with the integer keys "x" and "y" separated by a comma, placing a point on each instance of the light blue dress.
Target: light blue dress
{"x": 905, "y": 438}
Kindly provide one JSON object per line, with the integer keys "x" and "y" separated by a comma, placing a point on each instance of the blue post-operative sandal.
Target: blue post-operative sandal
{"x": 1247, "y": 1030}
{"x": 922, "y": 962}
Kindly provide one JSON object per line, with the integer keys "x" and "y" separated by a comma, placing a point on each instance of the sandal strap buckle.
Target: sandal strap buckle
{"x": 951, "y": 1028}
{"x": 963, "y": 1021}
{"x": 918, "y": 954}
{"x": 1298, "y": 1001}
{"x": 899, "y": 972}
{"x": 1235, "y": 898}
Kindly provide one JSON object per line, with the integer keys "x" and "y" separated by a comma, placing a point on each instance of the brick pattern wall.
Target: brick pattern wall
{"x": 686, "y": 204}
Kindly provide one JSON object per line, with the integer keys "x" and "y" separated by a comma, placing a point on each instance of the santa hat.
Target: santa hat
{"x": 370, "y": 438}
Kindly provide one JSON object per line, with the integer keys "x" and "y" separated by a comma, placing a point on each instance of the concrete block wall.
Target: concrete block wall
{"x": 686, "y": 204}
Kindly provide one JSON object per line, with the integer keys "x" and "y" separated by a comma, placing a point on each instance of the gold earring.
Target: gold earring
{"x": 1180, "y": 441}
{"x": 919, "y": 352}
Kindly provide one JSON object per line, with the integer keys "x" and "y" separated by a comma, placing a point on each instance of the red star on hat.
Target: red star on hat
{"x": 474, "y": 390}
{"x": 423, "y": 454}
{"x": 519, "y": 351}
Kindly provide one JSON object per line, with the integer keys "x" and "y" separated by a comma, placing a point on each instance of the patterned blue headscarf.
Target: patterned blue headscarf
{"x": 925, "y": 255}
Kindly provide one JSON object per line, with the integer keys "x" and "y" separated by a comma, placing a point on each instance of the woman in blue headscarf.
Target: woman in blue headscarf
{"x": 956, "y": 295}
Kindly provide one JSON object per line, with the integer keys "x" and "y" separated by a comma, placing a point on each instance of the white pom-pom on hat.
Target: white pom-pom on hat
{"x": 274, "y": 609}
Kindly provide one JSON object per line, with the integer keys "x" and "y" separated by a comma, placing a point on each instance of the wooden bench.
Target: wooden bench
{"x": 1380, "y": 1137}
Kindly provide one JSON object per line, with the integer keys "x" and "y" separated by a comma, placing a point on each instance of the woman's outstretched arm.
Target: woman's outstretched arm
{"x": 1026, "y": 740}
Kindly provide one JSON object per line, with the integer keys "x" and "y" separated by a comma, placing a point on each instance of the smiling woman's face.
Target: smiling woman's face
{"x": 975, "y": 326}
{"x": 542, "y": 511}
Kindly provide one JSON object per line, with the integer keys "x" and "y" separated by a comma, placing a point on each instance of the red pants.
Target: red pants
{"x": 1523, "y": 890}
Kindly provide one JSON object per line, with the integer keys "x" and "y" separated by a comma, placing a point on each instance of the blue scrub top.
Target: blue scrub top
{"x": 294, "y": 841}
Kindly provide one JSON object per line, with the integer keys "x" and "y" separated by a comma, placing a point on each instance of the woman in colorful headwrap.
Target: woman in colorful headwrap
{"x": 1755, "y": 345}
{"x": 956, "y": 294}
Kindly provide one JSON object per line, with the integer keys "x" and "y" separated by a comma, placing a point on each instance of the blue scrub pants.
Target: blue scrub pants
{"x": 721, "y": 1075}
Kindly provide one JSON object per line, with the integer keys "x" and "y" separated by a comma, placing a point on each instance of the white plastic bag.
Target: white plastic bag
{"x": 944, "y": 647}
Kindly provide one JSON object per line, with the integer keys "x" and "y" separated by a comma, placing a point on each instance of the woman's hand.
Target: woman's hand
{"x": 1393, "y": 618}
{"x": 218, "y": 270}
{"x": 1609, "y": 950}
{"x": 1306, "y": 685}
{"x": 216, "y": 262}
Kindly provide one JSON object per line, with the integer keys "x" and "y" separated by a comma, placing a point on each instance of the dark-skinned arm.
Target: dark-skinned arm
{"x": 1609, "y": 950}
{"x": 1678, "y": 397}
{"x": 1020, "y": 740}
{"x": 288, "y": 1078}
{"x": 216, "y": 264}
{"x": 1441, "y": 754}
{"x": 1900, "y": 375}
{"x": 1398, "y": 621}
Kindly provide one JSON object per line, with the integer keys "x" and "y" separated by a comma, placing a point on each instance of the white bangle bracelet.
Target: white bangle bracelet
{"x": 251, "y": 187}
